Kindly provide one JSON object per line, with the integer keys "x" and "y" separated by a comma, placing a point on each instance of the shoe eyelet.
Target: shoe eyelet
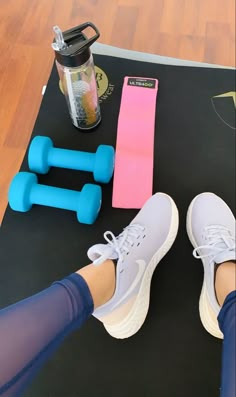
{"x": 144, "y": 235}
{"x": 138, "y": 244}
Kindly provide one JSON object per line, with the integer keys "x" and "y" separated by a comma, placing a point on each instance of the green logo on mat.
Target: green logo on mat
{"x": 224, "y": 106}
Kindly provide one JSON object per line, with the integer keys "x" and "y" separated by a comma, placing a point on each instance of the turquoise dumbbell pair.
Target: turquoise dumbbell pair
{"x": 25, "y": 191}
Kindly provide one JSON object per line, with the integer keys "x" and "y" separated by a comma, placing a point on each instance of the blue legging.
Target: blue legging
{"x": 227, "y": 323}
{"x": 26, "y": 343}
{"x": 31, "y": 330}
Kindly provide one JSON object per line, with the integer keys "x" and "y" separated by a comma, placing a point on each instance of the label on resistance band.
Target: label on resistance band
{"x": 146, "y": 83}
{"x": 133, "y": 175}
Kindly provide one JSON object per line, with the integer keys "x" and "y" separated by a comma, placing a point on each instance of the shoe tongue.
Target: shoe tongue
{"x": 227, "y": 253}
{"x": 101, "y": 252}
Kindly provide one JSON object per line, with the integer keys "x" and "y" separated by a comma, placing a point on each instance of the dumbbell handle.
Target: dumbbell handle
{"x": 54, "y": 197}
{"x": 71, "y": 159}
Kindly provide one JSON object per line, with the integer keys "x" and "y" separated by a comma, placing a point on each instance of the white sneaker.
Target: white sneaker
{"x": 138, "y": 249}
{"x": 211, "y": 230}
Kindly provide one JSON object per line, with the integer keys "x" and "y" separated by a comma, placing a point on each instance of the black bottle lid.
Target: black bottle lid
{"x": 72, "y": 47}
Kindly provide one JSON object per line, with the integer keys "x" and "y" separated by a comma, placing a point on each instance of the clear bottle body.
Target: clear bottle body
{"x": 80, "y": 89}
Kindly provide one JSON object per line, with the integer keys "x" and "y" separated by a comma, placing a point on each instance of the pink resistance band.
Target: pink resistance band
{"x": 133, "y": 176}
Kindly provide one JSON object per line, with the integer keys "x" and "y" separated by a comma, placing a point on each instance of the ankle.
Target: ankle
{"x": 101, "y": 281}
{"x": 225, "y": 280}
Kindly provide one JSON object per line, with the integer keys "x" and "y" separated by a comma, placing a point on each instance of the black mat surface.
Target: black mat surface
{"x": 172, "y": 355}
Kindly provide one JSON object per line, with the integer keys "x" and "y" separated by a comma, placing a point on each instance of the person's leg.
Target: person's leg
{"x": 211, "y": 230}
{"x": 31, "y": 330}
{"x": 225, "y": 285}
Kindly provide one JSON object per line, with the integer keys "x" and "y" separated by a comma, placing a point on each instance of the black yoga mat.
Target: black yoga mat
{"x": 172, "y": 355}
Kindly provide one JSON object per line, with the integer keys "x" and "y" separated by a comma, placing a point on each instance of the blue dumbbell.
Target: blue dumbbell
{"x": 42, "y": 155}
{"x": 25, "y": 191}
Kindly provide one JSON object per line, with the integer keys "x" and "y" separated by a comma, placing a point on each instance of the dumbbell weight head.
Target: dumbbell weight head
{"x": 89, "y": 203}
{"x": 19, "y": 192}
{"x": 38, "y": 154}
{"x": 104, "y": 163}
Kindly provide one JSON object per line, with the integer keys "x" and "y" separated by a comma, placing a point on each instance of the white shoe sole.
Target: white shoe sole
{"x": 137, "y": 315}
{"x": 207, "y": 313}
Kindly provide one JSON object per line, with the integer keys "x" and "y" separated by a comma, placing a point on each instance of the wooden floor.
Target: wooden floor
{"x": 201, "y": 30}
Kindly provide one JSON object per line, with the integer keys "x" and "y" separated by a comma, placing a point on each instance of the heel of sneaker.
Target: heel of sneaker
{"x": 132, "y": 323}
{"x": 208, "y": 316}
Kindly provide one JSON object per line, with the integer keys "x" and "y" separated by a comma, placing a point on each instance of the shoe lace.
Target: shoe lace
{"x": 121, "y": 244}
{"x": 220, "y": 240}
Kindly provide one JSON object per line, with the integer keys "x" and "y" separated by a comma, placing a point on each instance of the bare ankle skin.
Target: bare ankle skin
{"x": 225, "y": 280}
{"x": 101, "y": 281}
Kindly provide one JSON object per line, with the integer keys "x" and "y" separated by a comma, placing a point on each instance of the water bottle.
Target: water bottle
{"x": 75, "y": 67}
